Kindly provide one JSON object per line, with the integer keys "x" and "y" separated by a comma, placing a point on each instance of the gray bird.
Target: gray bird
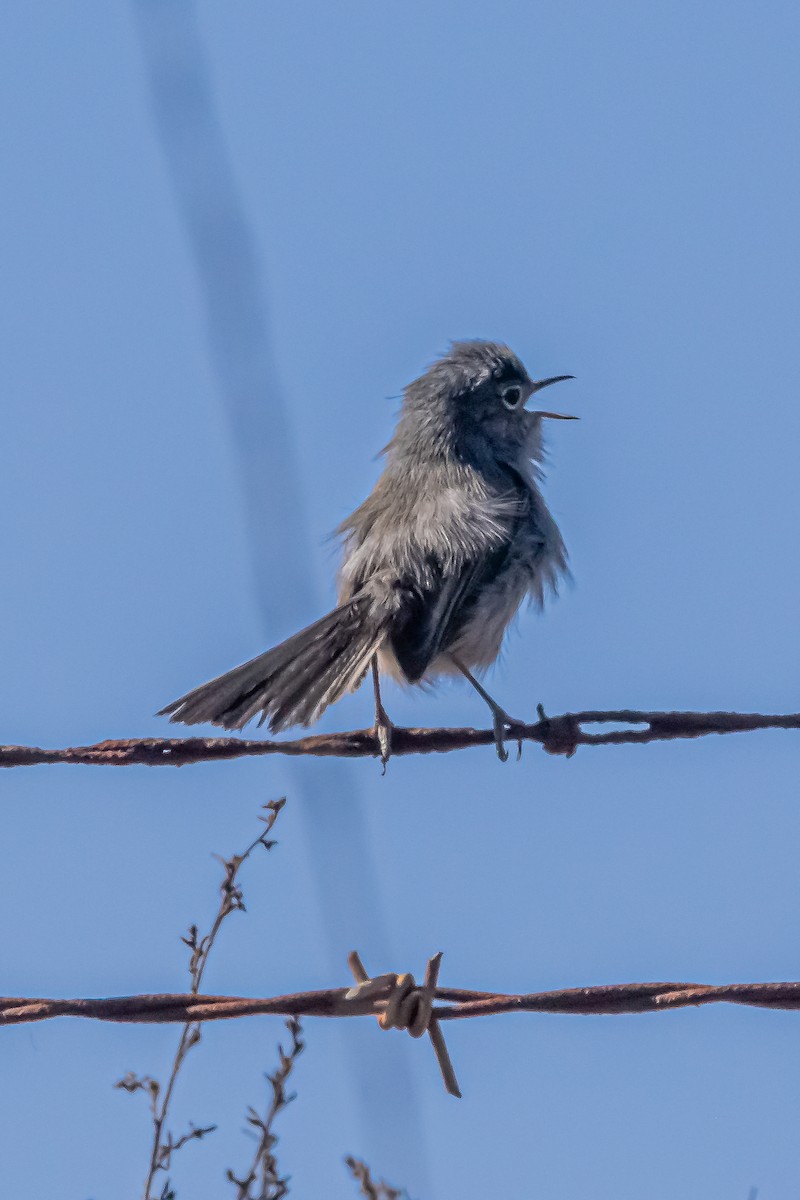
{"x": 437, "y": 560}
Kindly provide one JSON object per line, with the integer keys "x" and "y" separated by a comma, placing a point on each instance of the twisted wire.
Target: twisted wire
{"x": 399, "y": 1003}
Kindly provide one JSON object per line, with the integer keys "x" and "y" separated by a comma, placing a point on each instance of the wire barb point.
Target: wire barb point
{"x": 399, "y": 1003}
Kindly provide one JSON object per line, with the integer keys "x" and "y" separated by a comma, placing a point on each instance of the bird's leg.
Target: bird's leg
{"x": 500, "y": 717}
{"x": 383, "y": 726}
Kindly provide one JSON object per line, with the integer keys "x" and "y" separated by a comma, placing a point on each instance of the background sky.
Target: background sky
{"x": 204, "y": 338}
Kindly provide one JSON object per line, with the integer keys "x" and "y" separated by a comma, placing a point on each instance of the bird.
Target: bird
{"x": 436, "y": 562}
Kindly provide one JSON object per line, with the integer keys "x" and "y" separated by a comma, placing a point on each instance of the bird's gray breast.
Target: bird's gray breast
{"x": 449, "y": 555}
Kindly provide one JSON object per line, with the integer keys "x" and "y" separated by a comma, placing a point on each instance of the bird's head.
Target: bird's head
{"x": 472, "y": 402}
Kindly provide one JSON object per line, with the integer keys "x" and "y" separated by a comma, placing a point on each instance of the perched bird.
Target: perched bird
{"x": 437, "y": 560}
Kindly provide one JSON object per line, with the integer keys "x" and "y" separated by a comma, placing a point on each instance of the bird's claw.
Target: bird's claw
{"x": 383, "y": 733}
{"x": 501, "y": 722}
{"x": 500, "y": 718}
{"x": 499, "y": 725}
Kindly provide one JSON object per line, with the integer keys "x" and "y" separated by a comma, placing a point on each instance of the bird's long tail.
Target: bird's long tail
{"x": 294, "y": 682}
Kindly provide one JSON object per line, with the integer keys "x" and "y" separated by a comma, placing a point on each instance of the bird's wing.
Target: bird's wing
{"x": 432, "y": 615}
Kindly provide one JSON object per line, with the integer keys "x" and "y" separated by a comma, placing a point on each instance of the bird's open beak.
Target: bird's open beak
{"x": 543, "y": 383}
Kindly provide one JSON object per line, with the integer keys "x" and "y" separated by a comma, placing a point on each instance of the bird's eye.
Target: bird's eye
{"x": 512, "y": 396}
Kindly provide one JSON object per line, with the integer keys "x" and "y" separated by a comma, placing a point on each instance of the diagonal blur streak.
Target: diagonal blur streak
{"x": 231, "y": 280}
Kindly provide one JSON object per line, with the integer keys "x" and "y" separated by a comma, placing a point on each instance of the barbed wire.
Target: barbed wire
{"x": 557, "y": 735}
{"x": 397, "y": 1002}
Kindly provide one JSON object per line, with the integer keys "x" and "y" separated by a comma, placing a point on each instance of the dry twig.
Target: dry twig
{"x": 263, "y": 1181}
{"x": 164, "y": 1145}
{"x": 558, "y": 735}
{"x": 380, "y": 1190}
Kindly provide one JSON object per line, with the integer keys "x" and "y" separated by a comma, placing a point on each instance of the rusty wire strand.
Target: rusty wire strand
{"x": 558, "y": 735}
{"x": 171, "y": 1007}
{"x": 451, "y": 1003}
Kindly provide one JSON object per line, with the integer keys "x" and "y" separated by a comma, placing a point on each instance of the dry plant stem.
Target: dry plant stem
{"x": 231, "y": 899}
{"x": 263, "y": 1173}
{"x": 558, "y": 735}
{"x": 368, "y": 1187}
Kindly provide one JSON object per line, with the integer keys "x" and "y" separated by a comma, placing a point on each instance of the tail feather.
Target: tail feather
{"x": 294, "y": 682}
{"x": 308, "y": 692}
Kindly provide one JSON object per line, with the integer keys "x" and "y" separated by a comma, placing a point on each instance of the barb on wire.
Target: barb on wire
{"x": 450, "y": 1004}
{"x": 557, "y": 735}
{"x": 406, "y": 1006}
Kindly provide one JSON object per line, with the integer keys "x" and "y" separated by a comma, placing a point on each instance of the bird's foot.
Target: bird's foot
{"x": 500, "y": 718}
{"x": 502, "y": 722}
{"x": 383, "y": 728}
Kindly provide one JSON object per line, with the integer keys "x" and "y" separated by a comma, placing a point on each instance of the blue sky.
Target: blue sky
{"x": 612, "y": 189}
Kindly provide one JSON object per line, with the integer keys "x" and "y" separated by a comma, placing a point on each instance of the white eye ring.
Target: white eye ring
{"x": 512, "y": 396}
